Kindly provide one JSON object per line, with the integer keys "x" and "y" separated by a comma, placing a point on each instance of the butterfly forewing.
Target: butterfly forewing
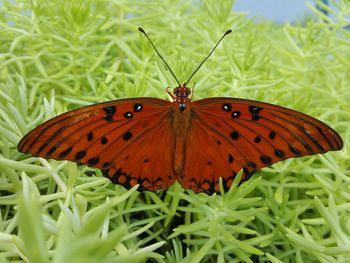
{"x": 110, "y": 136}
{"x": 228, "y": 135}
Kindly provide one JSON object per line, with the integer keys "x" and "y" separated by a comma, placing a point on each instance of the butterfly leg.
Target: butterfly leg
{"x": 193, "y": 90}
{"x": 167, "y": 90}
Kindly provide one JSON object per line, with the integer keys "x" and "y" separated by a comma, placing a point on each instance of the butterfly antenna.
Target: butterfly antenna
{"x": 226, "y": 33}
{"x": 143, "y": 31}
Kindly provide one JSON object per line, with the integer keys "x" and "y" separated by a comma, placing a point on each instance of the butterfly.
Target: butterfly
{"x": 154, "y": 142}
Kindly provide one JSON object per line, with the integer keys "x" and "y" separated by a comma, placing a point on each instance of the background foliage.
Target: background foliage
{"x": 55, "y": 57}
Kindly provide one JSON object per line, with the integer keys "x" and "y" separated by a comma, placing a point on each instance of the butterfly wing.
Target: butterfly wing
{"x": 228, "y": 135}
{"x": 127, "y": 139}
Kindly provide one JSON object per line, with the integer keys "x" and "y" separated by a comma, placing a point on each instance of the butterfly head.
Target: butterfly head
{"x": 182, "y": 92}
{"x": 181, "y": 96}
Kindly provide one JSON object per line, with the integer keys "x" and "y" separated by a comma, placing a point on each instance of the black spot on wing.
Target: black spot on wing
{"x": 254, "y": 110}
{"x": 227, "y": 107}
{"x": 265, "y": 159}
{"x": 236, "y": 114}
{"x": 128, "y": 115}
{"x": 138, "y": 107}
{"x": 79, "y": 155}
{"x": 234, "y": 135}
{"x": 246, "y": 174}
{"x": 294, "y": 150}
{"x": 90, "y": 136}
{"x": 110, "y": 110}
{"x": 127, "y": 136}
{"x": 93, "y": 161}
{"x": 230, "y": 158}
{"x": 104, "y": 140}
{"x": 279, "y": 153}
{"x": 108, "y": 118}
{"x": 106, "y": 165}
{"x": 257, "y": 139}
{"x": 65, "y": 152}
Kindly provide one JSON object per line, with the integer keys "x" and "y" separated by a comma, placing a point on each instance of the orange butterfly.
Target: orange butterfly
{"x": 154, "y": 142}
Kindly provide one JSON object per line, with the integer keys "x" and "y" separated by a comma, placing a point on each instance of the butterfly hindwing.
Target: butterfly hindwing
{"x": 228, "y": 135}
{"x": 110, "y": 136}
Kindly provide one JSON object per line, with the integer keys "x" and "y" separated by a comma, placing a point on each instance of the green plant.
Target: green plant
{"x": 56, "y": 57}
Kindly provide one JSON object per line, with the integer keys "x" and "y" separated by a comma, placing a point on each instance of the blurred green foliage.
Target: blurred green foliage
{"x": 56, "y": 56}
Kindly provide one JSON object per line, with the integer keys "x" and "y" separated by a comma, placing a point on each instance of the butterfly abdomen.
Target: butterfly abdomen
{"x": 179, "y": 156}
